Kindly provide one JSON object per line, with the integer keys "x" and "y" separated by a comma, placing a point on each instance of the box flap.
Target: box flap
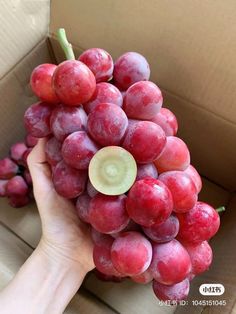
{"x": 23, "y": 25}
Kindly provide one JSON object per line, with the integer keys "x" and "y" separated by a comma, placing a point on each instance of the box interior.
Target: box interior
{"x": 198, "y": 84}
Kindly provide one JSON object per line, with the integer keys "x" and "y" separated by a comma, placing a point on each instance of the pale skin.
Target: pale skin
{"x": 54, "y": 272}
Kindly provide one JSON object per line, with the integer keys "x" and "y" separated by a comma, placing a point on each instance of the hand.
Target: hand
{"x": 65, "y": 238}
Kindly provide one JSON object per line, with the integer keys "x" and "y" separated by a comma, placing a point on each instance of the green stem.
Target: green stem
{"x": 220, "y": 209}
{"x": 66, "y": 46}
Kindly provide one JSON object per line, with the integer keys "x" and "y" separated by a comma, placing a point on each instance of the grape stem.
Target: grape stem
{"x": 220, "y": 209}
{"x": 65, "y": 45}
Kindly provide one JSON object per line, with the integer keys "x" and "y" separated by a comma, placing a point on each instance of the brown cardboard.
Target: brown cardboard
{"x": 191, "y": 51}
{"x": 23, "y": 25}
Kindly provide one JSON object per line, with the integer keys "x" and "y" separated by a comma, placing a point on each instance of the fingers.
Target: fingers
{"x": 39, "y": 169}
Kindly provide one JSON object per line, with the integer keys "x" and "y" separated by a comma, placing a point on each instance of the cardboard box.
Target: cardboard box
{"x": 191, "y": 48}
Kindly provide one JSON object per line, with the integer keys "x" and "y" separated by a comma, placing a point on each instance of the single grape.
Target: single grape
{"x": 82, "y": 207}
{"x": 200, "y": 255}
{"x": 99, "y": 62}
{"x": 37, "y": 119}
{"x": 73, "y": 82}
{"x": 176, "y": 292}
{"x": 131, "y": 253}
{"x": 17, "y": 150}
{"x": 167, "y": 121}
{"x": 104, "y": 93}
{"x": 30, "y": 140}
{"x": 66, "y": 120}
{"x": 146, "y": 170}
{"x": 145, "y": 140}
{"x": 149, "y": 202}
{"x": 194, "y": 175}
{"x": 143, "y": 100}
{"x": 107, "y": 214}
{"x": 102, "y": 256}
{"x": 53, "y": 151}
{"x": 112, "y": 170}
{"x": 78, "y": 149}
{"x": 130, "y": 68}
{"x": 41, "y": 83}
{"x": 18, "y": 200}
{"x": 91, "y": 189}
{"x": 199, "y": 224}
{"x": 175, "y": 155}
{"x": 163, "y": 232}
{"x": 143, "y": 278}
{"x": 16, "y": 186}
{"x": 8, "y": 168}
{"x": 68, "y": 182}
{"x": 182, "y": 188}
{"x": 170, "y": 263}
{"x": 27, "y": 177}
{"x": 107, "y": 124}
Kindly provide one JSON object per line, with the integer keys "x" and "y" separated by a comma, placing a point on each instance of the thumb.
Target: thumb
{"x": 39, "y": 169}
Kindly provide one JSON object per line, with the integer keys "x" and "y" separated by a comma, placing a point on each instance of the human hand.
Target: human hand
{"x": 64, "y": 237}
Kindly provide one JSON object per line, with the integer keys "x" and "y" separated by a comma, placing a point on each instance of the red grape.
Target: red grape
{"x": 176, "y": 292}
{"x": 7, "y": 168}
{"x": 143, "y": 278}
{"x": 3, "y": 188}
{"x": 104, "y": 277}
{"x": 167, "y": 121}
{"x": 107, "y": 124}
{"x": 66, "y": 120}
{"x": 68, "y": 182}
{"x": 102, "y": 257}
{"x": 104, "y": 93}
{"x": 199, "y": 224}
{"x": 145, "y": 140}
{"x": 146, "y": 170}
{"x": 131, "y": 253}
{"x": 16, "y": 186}
{"x": 107, "y": 214}
{"x": 53, "y": 151}
{"x": 163, "y": 232}
{"x": 200, "y": 255}
{"x": 73, "y": 82}
{"x": 18, "y": 200}
{"x": 17, "y": 150}
{"x": 182, "y": 189}
{"x": 130, "y": 68}
{"x": 82, "y": 206}
{"x": 132, "y": 226}
{"x": 27, "y": 177}
{"x": 78, "y": 149}
{"x": 170, "y": 263}
{"x": 175, "y": 155}
{"x": 98, "y": 237}
{"x": 91, "y": 189}
{"x": 149, "y": 202}
{"x": 99, "y": 62}
{"x": 194, "y": 175}
{"x": 37, "y": 119}
{"x": 30, "y": 140}
{"x": 143, "y": 100}
{"x": 41, "y": 83}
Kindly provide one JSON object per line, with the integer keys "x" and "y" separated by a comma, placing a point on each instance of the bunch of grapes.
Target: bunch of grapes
{"x": 15, "y": 178}
{"x": 113, "y": 150}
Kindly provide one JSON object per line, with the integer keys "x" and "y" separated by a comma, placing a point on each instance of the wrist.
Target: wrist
{"x": 59, "y": 259}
